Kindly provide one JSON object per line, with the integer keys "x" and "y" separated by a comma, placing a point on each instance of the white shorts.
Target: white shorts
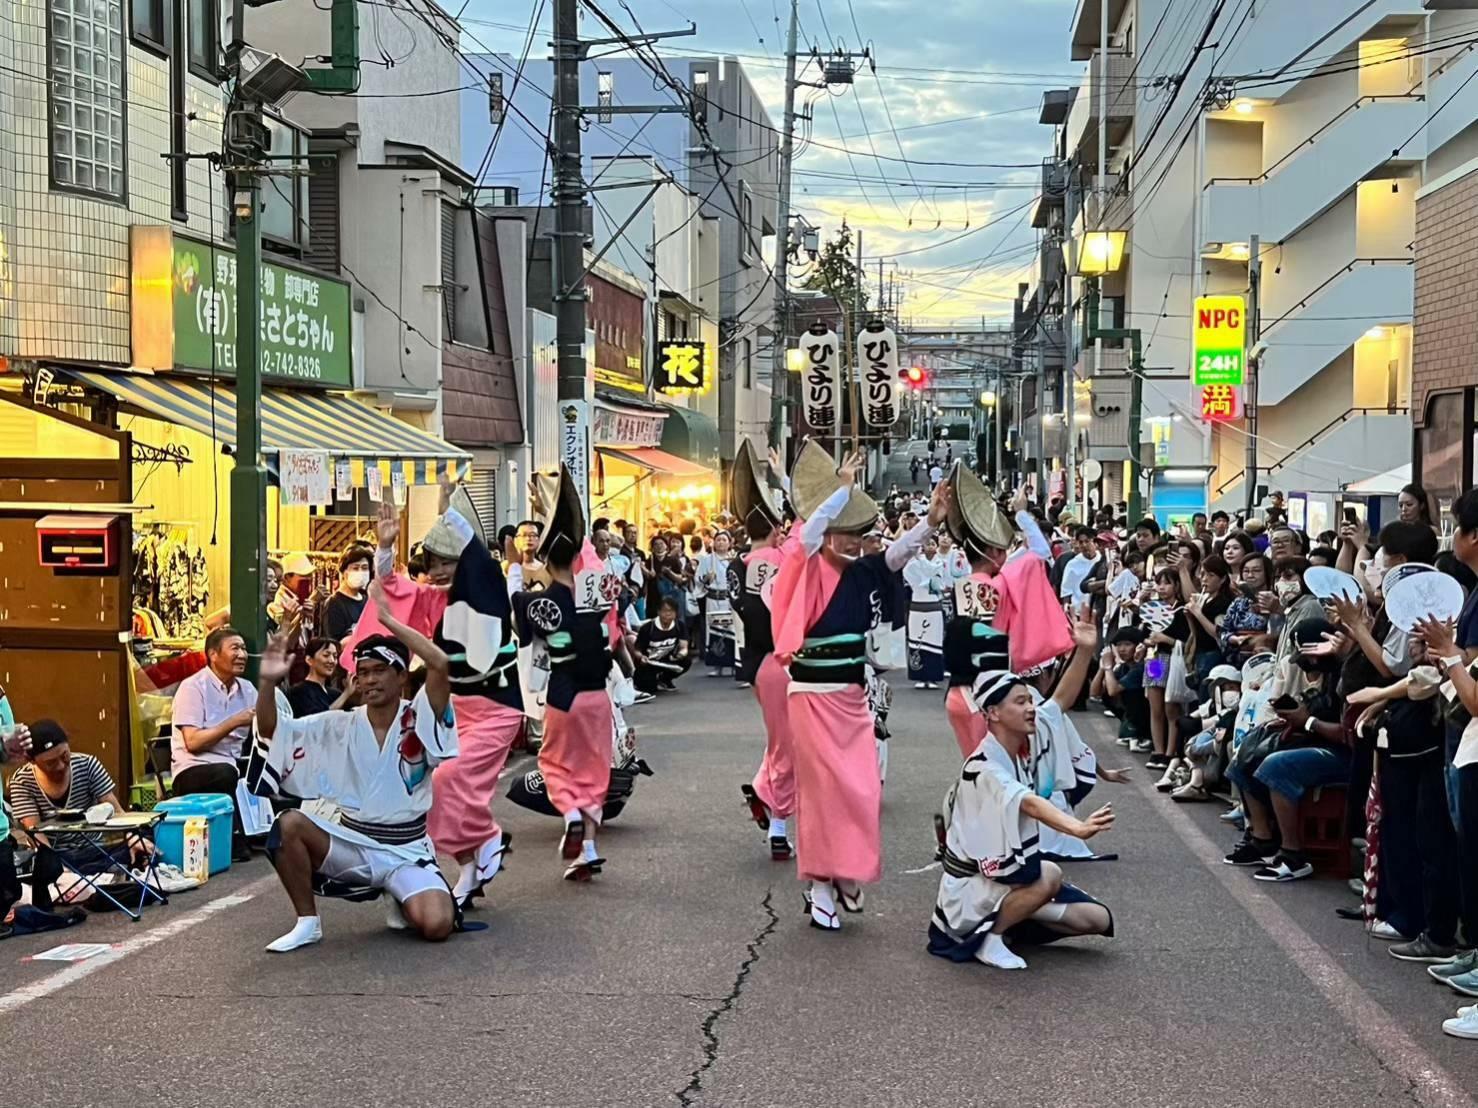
{"x": 380, "y": 869}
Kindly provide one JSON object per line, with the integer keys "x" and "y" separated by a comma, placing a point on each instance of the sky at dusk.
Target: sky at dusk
{"x": 962, "y": 84}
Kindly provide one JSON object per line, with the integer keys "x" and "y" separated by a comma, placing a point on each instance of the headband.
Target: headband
{"x": 992, "y": 686}
{"x": 383, "y": 652}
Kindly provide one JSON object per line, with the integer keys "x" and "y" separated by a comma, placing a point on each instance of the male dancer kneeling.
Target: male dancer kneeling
{"x": 995, "y": 884}
{"x": 375, "y": 763}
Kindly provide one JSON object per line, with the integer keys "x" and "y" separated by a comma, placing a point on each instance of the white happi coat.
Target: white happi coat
{"x": 334, "y": 756}
{"x": 1064, "y": 762}
{"x": 987, "y": 828}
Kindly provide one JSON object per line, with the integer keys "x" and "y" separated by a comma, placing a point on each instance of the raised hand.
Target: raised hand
{"x": 850, "y": 469}
{"x": 1439, "y": 635}
{"x": 387, "y": 525}
{"x": 1085, "y": 630}
{"x": 381, "y": 601}
{"x": 939, "y": 503}
{"x": 774, "y": 459}
{"x": 1020, "y": 502}
{"x": 276, "y": 661}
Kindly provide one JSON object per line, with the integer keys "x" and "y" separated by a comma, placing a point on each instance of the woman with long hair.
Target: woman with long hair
{"x": 1164, "y": 616}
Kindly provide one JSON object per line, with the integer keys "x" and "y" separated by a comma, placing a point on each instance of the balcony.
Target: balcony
{"x": 1329, "y": 320}
{"x": 1111, "y": 107}
{"x": 1309, "y": 179}
{"x": 1088, "y": 21}
{"x": 1052, "y": 195}
{"x": 1103, "y": 205}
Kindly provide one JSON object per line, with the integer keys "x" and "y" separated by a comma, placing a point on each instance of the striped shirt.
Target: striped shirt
{"x": 90, "y": 782}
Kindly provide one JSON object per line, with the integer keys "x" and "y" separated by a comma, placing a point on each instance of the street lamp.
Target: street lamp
{"x": 1099, "y": 252}
{"x": 987, "y": 398}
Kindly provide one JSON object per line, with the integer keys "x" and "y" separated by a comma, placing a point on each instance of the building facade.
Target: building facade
{"x": 1309, "y": 129}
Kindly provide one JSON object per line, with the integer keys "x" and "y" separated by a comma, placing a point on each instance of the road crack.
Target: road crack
{"x": 688, "y": 1095}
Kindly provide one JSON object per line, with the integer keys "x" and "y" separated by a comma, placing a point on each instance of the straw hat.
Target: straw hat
{"x": 442, "y": 540}
{"x": 748, "y": 494}
{"x": 974, "y": 516}
{"x": 564, "y": 529}
{"x": 814, "y": 478}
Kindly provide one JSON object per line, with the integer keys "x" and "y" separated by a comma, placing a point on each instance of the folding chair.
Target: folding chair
{"x": 160, "y": 761}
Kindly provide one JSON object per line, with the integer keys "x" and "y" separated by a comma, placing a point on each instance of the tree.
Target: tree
{"x": 836, "y": 272}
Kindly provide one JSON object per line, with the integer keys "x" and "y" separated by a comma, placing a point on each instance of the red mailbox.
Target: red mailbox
{"x": 66, "y": 541}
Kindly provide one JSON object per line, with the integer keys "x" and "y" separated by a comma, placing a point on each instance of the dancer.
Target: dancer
{"x": 464, "y": 608}
{"x": 1067, "y": 767}
{"x": 771, "y": 795}
{"x": 375, "y": 763}
{"x": 1008, "y": 594}
{"x": 826, "y": 600}
{"x": 569, "y": 627}
{"x": 925, "y": 577}
{"x": 995, "y": 884}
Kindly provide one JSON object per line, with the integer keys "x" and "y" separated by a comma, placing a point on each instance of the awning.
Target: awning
{"x": 292, "y": 420}
{"x": 691, "y": 434}
{"x": 1387, "y": 484}
{"x": 658, "y": 461}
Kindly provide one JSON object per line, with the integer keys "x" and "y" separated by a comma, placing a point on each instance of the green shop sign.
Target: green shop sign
{"x": 305, "y": 330}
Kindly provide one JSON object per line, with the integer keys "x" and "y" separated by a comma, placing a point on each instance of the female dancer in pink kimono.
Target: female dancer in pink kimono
{"x": 826, "y": 599}
{"x": 1005, "y": 595}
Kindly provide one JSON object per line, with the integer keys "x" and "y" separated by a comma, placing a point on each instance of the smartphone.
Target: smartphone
{"x": 1247, "y": 589}
{"x": 1285, "y": 703}
{"x": 1352, "y": 517}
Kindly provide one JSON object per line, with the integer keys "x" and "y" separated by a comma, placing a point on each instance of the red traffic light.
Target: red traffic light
{"x": 915, "y": 376}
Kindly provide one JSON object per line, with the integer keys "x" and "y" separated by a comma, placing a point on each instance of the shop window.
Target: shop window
{"x": 84, "y": 64}
{"x": 1441, "y": 445}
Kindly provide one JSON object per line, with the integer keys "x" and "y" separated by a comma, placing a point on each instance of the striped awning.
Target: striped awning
{"x": 293, "y": 419}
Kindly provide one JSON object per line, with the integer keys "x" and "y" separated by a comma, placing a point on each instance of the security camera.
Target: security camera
{"x": 228, "y": 449}
{"x": 1257, "y": 351}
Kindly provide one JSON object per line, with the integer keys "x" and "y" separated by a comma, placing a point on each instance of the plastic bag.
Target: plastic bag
{"x": 1177, "y": 682}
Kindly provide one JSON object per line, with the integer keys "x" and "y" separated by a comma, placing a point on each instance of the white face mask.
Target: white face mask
{"x": 1230, "y": 698}
{"x": 1288, "y": 591}
{"x": 357, "y": 579}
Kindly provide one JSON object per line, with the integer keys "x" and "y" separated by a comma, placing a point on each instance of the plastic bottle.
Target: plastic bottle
{"x": 197, "y": 849}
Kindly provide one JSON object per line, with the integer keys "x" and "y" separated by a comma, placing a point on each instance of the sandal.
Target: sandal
{"x": 821, "y": 919}
{"x": 573, "y": 842}
{"x": 759, "y": 811}
{"x": 1190, "y": 793}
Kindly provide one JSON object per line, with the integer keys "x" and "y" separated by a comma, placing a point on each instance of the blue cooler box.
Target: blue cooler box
{"x": 216, "y": 808}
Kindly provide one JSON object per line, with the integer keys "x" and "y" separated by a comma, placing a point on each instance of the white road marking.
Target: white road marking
{"x": 925, "y": 869}
{"x": 25, "y": 994}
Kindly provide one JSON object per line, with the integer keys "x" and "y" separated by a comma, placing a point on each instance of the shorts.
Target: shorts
{"x": 356, "y": 864}
{"x": 1292, "y": 773}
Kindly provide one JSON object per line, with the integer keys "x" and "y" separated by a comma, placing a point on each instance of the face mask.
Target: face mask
{"x": 1288, "y": 591}
{"x": 357, "y": 579}
{"x": 1230, "y": 699}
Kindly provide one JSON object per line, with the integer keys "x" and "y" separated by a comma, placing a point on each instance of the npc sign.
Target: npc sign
{"x": 819, "y": 378}
{"x": 877, "y": 359}
{"x": 1220, "y": 340}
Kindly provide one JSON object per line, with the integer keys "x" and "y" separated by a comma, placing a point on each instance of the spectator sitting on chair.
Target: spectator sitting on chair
{"x": 661, "y": 653}
{"x": 52, "y": 779}
{"x": 314, "y": 694}
{"x": 1311, "y": 752}
{"x": 213, "y": 711}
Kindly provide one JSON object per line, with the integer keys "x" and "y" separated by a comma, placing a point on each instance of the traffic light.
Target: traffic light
{"x": 915, "y": 377}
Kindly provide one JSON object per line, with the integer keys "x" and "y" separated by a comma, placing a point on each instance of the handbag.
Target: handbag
{"x": 1177, "y": 681}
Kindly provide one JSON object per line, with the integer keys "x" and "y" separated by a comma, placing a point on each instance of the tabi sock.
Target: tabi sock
{"x": 306, "y": 931}
{"x": 821, "y": 896}
{"x": 466, "y": 880}
{"x": 777, "y": 827}
{"x": 995, "y": 952}
{"x": 590, "y": 854}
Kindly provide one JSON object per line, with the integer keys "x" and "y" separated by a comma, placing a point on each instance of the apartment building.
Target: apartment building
{"x": 387, "y": 204}
{"x": 1311, "y": 127}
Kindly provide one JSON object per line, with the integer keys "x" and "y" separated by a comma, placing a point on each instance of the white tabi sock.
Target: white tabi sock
{"x": 995, "y": 952}
{"x": 777, "y": 827}
{"x": 590, "y": 854}
{"x": 465, "y": 880}
{"x": 394, "y": 918}
{"x": 308, "y": 930}
{"x": 822, "y": 900}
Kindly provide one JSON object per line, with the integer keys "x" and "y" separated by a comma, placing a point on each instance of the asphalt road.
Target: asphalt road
{"x": 687, "y": 975}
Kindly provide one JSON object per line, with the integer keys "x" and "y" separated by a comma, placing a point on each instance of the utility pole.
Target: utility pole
{"x": 854, "y": 381}
{"x": 779, "y": 375}
{"x": 1136, "y": 392}
{"x": 569, "y": 204}
{"x": 1254, "y": 320}
{"x": 246, "y": 148}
